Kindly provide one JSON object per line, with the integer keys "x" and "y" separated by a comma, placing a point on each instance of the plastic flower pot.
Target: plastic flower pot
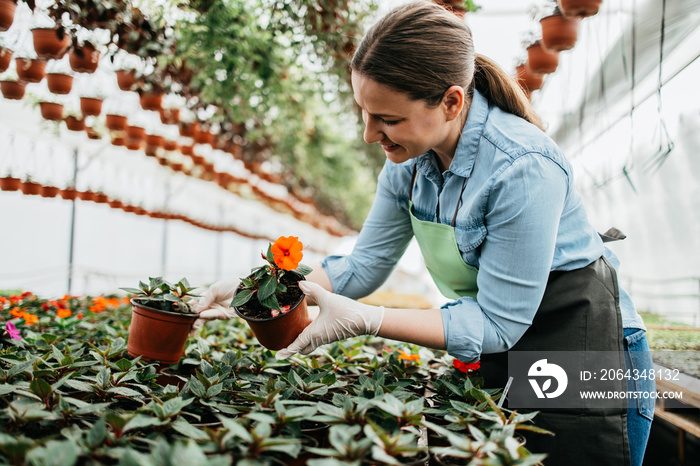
{"x": 133, "y": 144}
{"x": 49, "y": 191}
{"x": 528, "y": 82}
{"x": 51, "y": 111}
{"x": 115, "y": 122}
{"x": 90, "y": 106}
{"x": 12, "y": 90}
{"x": 68, "y": 194}
{"x": 59, "y": 83}
{"x": 158, "y": 335}
{"x": 5, "y": 58}
{"x": 29, "y": 187}
{"x": 84, "y": 59}
{"x": 126, "y": 79}
{"x": 10, "y": 183}
{"x": 86, "y": 195}
{"x": 154, "y": 140}
{"x": 30, "y": 70}
{"x": 279, "y": 332}
{"x": 559, "y": 32}
{"x": 151, "y": 101}
{"x": 47, "y": 43}
{"x": 582, "y": 8}
{"x": 7, "y": 14}
{"x": 74, "y": 123}
{"x": 135, "y": 132}
{"x": 540, "y": 61}
{"x": 169, "y": 144}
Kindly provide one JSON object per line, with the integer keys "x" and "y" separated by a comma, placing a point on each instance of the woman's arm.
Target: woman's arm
{"x": 420, "y": 326}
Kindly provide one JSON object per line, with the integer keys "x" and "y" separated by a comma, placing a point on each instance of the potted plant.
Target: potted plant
{"x": 50, "y": 42}
{"x": 84, "y": 58}
{"x": 582, "y": 8}
{"x": 5, "y": 57}
{"x": 270, "y": 300}
{"x": 10, "y": 85}
{"x": 540, "y": 61}
{"x": 52, "y": 111}
{"x": 75, "y": 121}
{"x": 559, "y": 32}
{"x": 30, "y": 70}
{"x": 91, "y": 106}
{"x": 161, "y": 319}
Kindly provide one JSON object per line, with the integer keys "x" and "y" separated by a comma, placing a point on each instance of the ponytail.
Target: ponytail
{"x": 502, "y": 90}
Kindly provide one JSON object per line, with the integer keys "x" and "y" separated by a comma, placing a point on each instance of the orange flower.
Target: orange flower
{"x": 287, "y": 252}
{"x": 17, "y": 312}
{"x": 63, "y": 313}
{"x": 409, "y": 357}
{"x": 30, "y": 319}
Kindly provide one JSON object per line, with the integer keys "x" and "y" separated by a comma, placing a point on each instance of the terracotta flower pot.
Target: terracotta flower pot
{"x": 559, "y": 32}
{"x": 152, "y": 101}
{"x": 49, "y": 191}
{"x": 47, "y": 43}
{"x": 279, "y": 332}
{"x": 84, "y": 59}
{"x": 90, "y": 106}
{"x": 86, "y": 195}
{"x": 154, "y": 140}
{"x": 30, "y": 70}
{"x": 29, "y": 187}
{"x": 68, "y": 194}
{"x": 187, "y": 150}
{"x": 7, "y": 14}
{"x": 540, "y": 61}
{"x": 92, "y": 134}
{"x": 527, "y": 80}
{"x": 158, "y": 335}
{"x": 115, "y": 203}
{"x": 151, "y": 150}
{"x": 115, "y": 122}
{"x": 135, "y": 132}
{"x": 582, "y": 8}
{"x": 169, "y": 144}
{"x": 118, "y": 141}
{"x": 189, "y": 129}
{"x": 74, "y": 123}
{"x": 10, "y": 183}
{"x": 169, "y": 116}
{"x": 12, "y": 90}
{"x": 5, "y": 58}
{"x": 101, "y": 198}
{"x": 59, "y": 83}
{"x": 133, "y": 144}
{"x": 126, "y": 79}
{"x": 203, "y": 137}
{"x": 51, "y": 111}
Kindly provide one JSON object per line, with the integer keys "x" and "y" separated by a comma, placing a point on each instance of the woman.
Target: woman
{"x": 491, "y": 201}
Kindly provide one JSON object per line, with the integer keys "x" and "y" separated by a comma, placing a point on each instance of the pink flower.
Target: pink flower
{"x": 274, "y": 312}
{"x": 12, "y": 331}
{"x": 284, "y": 309}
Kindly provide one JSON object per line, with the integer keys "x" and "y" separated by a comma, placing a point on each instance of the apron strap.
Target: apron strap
{"x": 459, "y": 201}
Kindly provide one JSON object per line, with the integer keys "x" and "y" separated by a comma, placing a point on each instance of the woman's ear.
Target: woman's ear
{"x": 453, "y": 102}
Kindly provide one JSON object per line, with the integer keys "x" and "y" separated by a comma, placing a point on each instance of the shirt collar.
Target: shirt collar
{"x": 468, "y": 144}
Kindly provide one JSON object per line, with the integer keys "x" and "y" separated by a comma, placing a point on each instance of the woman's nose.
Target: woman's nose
{"x": 372, "y": 133}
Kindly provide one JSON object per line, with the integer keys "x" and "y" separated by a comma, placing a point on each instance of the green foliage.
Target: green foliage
{"x": 160, "y": 294}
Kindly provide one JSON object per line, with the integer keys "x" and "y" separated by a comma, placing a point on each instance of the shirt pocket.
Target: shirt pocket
{"x": 469, "y": 239}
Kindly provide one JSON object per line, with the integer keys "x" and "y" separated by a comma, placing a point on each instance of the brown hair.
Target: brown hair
{"x": 421, "y": 49}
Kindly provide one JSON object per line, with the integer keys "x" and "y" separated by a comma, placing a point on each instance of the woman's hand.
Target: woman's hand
{"x": 339, "y": 318}
{"x": 215, "y": 304}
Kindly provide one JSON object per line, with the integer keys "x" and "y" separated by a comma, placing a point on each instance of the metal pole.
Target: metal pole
{"x": 72, "y": 223}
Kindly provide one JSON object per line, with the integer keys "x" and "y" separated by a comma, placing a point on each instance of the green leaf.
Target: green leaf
{"x": 135, "y": 291}
{"x": 6, "y": 388}
{"x": 303, "y": 269}
{"x": 97, "y": 434}
{"x": 41, "y": 388}
{"x": 270, "y": 302}
{"x": 242, "y": 297}
{"x": 270, "y": 256}
{"x": 54, "y": 453}
{"x": 123, "y": 364}
{"x": 124, "y": 391}
{"x": 188, "y": 430}
{"x": 267, "y": 288}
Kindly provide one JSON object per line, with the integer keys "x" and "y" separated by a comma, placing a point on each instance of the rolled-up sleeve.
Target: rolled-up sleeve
{"x": 382, "y": 241}
{"x": 523, "y": 210}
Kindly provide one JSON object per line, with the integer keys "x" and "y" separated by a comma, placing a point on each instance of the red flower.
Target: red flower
{"x": 287, "y": 252}
{"x": 466, "y": 367}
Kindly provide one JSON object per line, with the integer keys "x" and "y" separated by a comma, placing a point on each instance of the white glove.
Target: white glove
{"x": 215, "y": 304}
{"x": 339, "y": 318}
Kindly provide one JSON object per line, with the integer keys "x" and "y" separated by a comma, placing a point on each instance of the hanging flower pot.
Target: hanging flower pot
{"x": 559, "y": 32}
{"x": 74, "y": 123}
{"x": 581, "y": 8}
{"x": 137, "y": 133}
{"x": 118, "y": 141}
{"x": 169, "y": 116}
{"x": 527, "y": 80}
{"x": 154, "y": 140}
{"x": 29, "y": 187}
{"x": 84, "y": 59}
{"x": 126, "y": 79}
{"x": 101, "y": 198}
{"x": 115, "y": 122}
{"x": 50, "y": 43}
{"x": 158, "y": 335}
{"x": 151, "y": 150}
{"x": 12, "y": 90}
{"x": 133, "y": 144}
{"x": 49, "y": 191}
{"x": 7, "y": 14}
{"x": 540, "y": 61}
{"x": 189, "y": 129}
{"x": 90, "y": 106}
{"x": 68, "y": 194}
{"x": 169, "y": 145}
{"x": 187, "y": 150}
{"x": 151, "y": 101}
{"x": 10, "y": 183}
{"x": 59, "y": 83}
{"x": 30, "y": 70}
{"x": 5, "y": 58}
{"x": 115, "y": 203}
{"x": 203, "y": 137}
{"x": 92, "y": 134}
{"x": 86, "y": 195}
{"x": 51, "y": 111}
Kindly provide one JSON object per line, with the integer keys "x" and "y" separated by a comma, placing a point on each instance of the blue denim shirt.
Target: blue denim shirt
{"x": 519, "y": 218}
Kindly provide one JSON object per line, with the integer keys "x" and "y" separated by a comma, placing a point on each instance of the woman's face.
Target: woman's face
{"x": 405, "y": 128}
